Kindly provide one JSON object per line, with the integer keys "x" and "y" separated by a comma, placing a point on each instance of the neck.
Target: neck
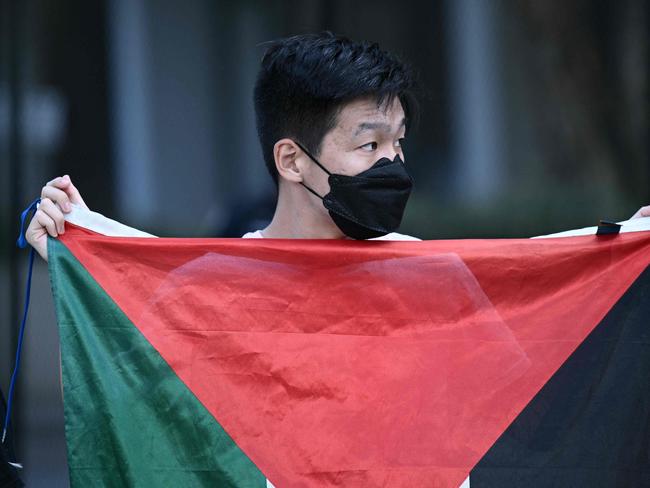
{"x": 300, "y": 215}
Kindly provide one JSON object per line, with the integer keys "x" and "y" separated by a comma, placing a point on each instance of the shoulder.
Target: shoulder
{"x": 256, "y": 234}
{"x": 393, "y": 236}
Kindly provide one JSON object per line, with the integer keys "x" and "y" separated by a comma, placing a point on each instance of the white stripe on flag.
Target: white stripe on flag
{"x": 100, "y": 224}
{"x": 633, "y": 225}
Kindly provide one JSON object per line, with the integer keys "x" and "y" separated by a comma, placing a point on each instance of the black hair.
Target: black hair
{"x": 305, "y": 80}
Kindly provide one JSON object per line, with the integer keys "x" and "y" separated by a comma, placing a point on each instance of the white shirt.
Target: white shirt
{"x": 393, "y": 236}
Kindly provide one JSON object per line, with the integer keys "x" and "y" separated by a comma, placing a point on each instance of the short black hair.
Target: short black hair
{"x": 304, "y": 81}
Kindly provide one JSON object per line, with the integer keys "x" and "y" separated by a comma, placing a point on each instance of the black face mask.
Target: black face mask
{"x": 371, "y": 203}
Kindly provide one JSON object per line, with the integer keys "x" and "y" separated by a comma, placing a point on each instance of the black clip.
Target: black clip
{"x": 606, "y": 227}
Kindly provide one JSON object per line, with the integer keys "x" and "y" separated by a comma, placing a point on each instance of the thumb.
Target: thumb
{"x": 73, "y": 193}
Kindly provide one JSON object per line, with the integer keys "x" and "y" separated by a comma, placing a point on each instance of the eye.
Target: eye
{"x": 371, "y": 146}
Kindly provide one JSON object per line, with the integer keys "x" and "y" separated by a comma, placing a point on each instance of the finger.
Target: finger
{"x": 48, "y": 207}
{"x": 57, "y": 196}
{"x": 642, "y": 212}
{"x": 46, "y": 221}
{"x": 59, "y": 181}
{"x": 65, "y": 183}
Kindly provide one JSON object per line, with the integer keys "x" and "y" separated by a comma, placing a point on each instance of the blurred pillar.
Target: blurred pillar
{"x": 476, "y": 104}
{"x": 130, "y": 101}
{"x": 162, "y": 58}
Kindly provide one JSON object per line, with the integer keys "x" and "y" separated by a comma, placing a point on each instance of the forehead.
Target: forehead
{"x": 357, "y": 113}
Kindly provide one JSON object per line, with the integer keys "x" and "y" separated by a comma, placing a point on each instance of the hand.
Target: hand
{"x": 642, "y": 212}
{"x": 56, "y": 197}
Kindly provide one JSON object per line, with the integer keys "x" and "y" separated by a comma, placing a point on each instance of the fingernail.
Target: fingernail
{"x": 66, "y": 206}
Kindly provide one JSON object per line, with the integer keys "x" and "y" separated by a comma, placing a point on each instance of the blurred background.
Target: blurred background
{"x": 534, "y": 120}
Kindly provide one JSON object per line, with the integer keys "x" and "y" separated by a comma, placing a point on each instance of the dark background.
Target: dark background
{"x": 535, "y": 120}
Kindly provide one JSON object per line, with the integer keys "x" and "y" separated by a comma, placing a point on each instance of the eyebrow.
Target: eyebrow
{"x": 365, "y": 126}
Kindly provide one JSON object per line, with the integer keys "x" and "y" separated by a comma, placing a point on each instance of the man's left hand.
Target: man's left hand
{"x": 642, "y": 212}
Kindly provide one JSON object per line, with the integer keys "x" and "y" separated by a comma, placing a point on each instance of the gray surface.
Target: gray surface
{"x": 41, "y": 445}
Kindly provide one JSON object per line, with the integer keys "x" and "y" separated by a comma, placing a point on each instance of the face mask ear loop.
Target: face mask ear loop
{"x": 313, "y": 159}
{"x": 311, "y": 190}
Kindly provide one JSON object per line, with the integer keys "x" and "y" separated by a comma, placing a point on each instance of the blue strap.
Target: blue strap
{"x": 22, "y": 243}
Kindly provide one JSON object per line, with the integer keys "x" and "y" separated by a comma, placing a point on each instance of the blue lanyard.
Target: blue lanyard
{"x": 22, "y": 243}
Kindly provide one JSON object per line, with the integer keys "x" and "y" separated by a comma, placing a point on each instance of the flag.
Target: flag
{"x": 313, "y": 363}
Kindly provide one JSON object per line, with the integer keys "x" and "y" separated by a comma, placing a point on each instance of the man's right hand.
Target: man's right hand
{"x": 56, "y": 197}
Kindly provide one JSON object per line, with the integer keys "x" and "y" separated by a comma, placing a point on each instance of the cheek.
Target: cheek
{"x": 356, "y": 165}
{"x": 353, "y": 162}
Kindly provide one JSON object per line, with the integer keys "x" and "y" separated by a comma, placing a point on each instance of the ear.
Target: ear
{"x": 286, "y": 154}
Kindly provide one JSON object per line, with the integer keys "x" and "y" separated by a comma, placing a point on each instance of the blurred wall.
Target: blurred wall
{"x": 535, "y": 119}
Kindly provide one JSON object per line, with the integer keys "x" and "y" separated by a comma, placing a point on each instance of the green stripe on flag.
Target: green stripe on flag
{"x": 129, "y": 419}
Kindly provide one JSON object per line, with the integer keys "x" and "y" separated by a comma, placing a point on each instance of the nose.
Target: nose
{"x": 390, "y": 154}
{"x": 393, "y": 154}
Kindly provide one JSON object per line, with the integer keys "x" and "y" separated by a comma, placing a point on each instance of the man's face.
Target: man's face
{"x": 364, "y": 133}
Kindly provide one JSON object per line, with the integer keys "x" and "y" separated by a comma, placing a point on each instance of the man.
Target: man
{"x": 332, "y": 114}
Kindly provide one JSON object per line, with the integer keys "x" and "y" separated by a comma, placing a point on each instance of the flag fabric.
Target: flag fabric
{"x": 313, "y": 363}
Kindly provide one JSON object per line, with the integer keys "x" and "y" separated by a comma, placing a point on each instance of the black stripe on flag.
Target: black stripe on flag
{"x": 589, "y": 426}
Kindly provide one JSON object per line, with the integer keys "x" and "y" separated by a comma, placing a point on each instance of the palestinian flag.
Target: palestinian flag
{"x": 254, "y": 363}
